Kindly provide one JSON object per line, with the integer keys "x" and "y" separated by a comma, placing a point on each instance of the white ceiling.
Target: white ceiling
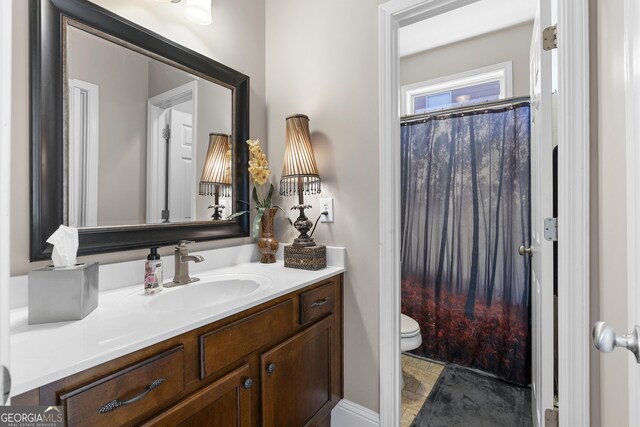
{"x": 481, "y": 17}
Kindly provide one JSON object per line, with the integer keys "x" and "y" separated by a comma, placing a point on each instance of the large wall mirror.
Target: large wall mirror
{"x": 136, "y": 141}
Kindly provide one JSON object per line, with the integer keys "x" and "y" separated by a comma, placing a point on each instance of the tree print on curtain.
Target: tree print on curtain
{"x": 465, "y": 210}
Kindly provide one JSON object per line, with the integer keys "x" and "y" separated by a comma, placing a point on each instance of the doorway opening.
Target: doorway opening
{"x": 466, "y": 208}
{"x": 396, "y": 14}
{"x": 171, "y": 147}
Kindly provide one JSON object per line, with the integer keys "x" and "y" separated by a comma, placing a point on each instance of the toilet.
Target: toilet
{"x": 410, "y": 337}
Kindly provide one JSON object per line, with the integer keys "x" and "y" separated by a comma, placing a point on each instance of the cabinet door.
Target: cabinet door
{"x": 297, "y": 377}
{"x": 224, "y": 403}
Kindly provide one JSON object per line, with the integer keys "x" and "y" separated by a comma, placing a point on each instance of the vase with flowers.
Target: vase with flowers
{"x": 262, "y": 195}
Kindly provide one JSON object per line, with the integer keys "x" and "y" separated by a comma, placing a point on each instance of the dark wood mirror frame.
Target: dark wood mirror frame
{"x": 47, "y": 130}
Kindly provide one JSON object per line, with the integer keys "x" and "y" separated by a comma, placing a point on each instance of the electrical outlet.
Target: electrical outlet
{"x": 326, "y": 205}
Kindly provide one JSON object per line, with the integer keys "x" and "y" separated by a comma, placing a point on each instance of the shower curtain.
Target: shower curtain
{"x": 465, "y": 210}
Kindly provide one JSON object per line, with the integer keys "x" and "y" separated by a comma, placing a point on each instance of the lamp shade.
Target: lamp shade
{"x": 199, "y": 11}
{"x": 217, "y": 166}
{"x": 299, "y": 170}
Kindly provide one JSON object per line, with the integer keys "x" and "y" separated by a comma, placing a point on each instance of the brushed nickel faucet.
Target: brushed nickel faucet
{"x": 182, "y": 257}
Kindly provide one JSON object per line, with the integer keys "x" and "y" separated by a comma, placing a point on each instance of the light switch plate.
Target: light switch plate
{"x": 326, "y": 205}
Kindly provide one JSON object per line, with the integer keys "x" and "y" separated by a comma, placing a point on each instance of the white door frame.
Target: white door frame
{"x": 632, "y": 109}
{"x": 156, "y": 107}
{"x": 574, "y": 329}
{"x": 5, "y": 180}
{"x": 84, "y": 138}
{"x": 573, "y": 196}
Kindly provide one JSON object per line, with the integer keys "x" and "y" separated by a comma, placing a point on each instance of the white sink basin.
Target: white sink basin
{"x": 210, "y": 290}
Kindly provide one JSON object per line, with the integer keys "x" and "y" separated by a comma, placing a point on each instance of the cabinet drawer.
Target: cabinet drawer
{"x": 129, "y": 395}
{"x": 230, "y": 344}
{"x": 317, "y": 303}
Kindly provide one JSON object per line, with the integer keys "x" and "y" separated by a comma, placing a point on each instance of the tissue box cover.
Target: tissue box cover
{"x": 59, "y": 294}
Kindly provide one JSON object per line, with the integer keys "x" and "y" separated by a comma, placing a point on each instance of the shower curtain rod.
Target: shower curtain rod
{"x": 482, "y": 106}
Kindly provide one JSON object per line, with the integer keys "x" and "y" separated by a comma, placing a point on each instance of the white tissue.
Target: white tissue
{"x": 65, "y": 246}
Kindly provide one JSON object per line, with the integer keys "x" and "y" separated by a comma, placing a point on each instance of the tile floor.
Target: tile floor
{"x": 419, "y": 377}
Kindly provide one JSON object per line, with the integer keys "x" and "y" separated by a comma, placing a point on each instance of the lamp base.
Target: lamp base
{"x": 305, "y": 257}
{"x": 216, "y": 211}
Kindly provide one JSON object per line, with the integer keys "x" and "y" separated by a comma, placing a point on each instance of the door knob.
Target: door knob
{"x": 523, "y": 250}
{"x": 605, "y": 339}
{"x": 6, "y": 384}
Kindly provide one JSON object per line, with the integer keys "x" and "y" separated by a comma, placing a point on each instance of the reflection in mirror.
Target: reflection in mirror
{"x": 138, "y": 133}
{"x": 216, "y": 174}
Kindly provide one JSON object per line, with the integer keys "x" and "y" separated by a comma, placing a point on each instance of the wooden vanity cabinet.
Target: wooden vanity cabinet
{"x": 298, "y": 378}
{"x": 276, "y": 364}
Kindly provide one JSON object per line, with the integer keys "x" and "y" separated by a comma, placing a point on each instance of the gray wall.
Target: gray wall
{"x": 322, "y": 60}
{"x": 510, "y": 44}
{"x": 236, "y": 38}
{"x": 121, "y": 76}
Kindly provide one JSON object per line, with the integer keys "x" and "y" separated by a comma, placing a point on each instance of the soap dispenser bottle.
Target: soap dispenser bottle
{"x": 153, "y": 272}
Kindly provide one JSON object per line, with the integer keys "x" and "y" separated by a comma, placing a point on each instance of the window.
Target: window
{"x": 484, "y": 84}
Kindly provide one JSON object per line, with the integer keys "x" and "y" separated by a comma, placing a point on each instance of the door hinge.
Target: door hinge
{"x": 551, "y": 417}
{"x": 551, "y": 229}
{"x": 550, "y": 38}
{"x": 166, "y": 133}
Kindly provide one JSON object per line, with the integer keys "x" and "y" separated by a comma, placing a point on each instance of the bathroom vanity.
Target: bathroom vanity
{"x": 249, "y": 344}
{"x": 272, "y": 357}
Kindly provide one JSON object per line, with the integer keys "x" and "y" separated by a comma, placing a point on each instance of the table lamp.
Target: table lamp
{"x": 299, "y": 177}
{"x": 216, "y": 175}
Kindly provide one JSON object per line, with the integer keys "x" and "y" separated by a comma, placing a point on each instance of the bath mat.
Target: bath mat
{"x": 462, "y": 397}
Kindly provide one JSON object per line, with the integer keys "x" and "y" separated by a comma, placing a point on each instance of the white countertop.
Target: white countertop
{"x": 126, "y": 320}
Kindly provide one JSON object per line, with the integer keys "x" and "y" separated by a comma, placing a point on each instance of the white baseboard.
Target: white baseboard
{"x": 349, "y": 414}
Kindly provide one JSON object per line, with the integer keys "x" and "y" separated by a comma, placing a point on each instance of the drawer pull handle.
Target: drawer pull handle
{"x": 271, "y": 368}
{"x": 247, "y": 383}
{"x": 319, "y": 302}
{"x": 116, "y": 403}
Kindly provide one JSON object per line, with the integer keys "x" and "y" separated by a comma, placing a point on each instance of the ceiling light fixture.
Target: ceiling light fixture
{"x": 197, "y": 11}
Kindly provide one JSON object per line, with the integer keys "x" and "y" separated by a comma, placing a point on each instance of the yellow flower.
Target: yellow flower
{"x": 258, "y": 164}
{"x": 258, "y": 178}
